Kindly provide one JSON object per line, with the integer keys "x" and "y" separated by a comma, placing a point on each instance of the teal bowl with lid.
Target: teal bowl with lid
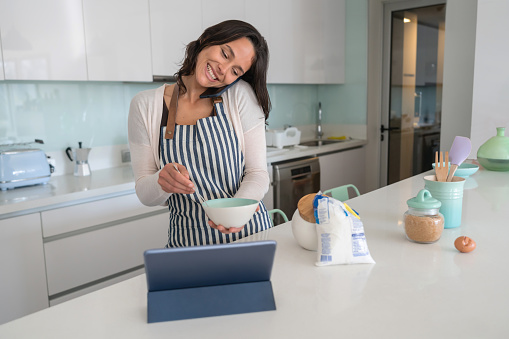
{"x": 423, "y": 221}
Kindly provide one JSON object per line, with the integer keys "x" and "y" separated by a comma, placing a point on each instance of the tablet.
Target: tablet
{"x": 209, "y": 265}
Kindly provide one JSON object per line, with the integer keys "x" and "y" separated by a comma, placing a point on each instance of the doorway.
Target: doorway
{"x": 412, "y": 73}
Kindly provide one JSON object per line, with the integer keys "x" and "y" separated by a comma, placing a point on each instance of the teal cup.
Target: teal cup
{"x": 450, "y": 194}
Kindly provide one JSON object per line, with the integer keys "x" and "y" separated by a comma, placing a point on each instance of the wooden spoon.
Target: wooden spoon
{"x": 441, "y": 168}
{"x": 202, "y": 199}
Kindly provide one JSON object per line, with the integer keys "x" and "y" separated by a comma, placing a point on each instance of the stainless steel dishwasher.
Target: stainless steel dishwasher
{"x": 293, "y": 180}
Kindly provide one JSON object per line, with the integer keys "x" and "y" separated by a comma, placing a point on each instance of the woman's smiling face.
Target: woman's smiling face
{"x": 220, "y": 65}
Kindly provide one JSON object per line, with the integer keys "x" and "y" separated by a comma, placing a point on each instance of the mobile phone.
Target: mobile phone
{"x": 213, "y": 92}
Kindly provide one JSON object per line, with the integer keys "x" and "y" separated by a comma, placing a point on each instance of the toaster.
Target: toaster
{"x": 23, "y": 167}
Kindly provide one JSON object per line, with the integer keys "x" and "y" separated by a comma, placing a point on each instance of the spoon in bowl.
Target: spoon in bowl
{"x": 202, "y": 200}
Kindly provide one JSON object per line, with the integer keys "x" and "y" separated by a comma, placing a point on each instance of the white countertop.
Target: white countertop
{"x": 65, "y": 190}
{"x": 413, "y": 290}
{"x": 287, "y": 153}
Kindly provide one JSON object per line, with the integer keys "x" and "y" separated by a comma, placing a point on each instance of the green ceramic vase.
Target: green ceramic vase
{"x": 494, "y": 153}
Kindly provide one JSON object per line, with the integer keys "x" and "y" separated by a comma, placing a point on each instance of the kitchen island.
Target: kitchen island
{"x": 56, "y": 231}
{"x": 413, "y": 290}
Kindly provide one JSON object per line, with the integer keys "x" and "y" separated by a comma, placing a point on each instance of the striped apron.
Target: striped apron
{"x": 211, "y": 153}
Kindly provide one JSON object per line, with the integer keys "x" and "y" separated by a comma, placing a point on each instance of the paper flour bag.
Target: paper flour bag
{"x": 340, "y": 233}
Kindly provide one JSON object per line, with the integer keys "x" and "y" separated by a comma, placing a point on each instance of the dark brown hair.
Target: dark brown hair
{"x": 222, "y": 33}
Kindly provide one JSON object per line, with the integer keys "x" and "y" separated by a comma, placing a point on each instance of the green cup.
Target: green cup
{"x": 450, "y": 194}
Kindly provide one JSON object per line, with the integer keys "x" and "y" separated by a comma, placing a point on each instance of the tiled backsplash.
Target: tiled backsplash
{"x": 64, "y": 113}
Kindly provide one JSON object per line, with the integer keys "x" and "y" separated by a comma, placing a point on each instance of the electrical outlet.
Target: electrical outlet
{"x": 126, "y": 155}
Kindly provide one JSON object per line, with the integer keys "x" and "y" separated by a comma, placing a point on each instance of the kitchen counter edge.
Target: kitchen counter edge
{"x": 67, "y": 190}
{"x": 312, "y": 151}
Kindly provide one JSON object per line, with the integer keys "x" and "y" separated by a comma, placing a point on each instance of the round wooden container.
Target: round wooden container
{"x": 305, "y": 207}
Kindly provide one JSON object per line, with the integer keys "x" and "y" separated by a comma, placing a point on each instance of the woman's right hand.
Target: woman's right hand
{"x": 174, "y": 180}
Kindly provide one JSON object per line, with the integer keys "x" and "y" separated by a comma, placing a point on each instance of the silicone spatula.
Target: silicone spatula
{"x": 460, "y": 149}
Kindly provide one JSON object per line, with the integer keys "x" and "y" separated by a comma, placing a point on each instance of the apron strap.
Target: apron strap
{"x": 172, "y": 112}
{"x": 215, "y": 102}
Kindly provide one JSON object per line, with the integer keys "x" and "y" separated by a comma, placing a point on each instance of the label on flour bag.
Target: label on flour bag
{"x": 359, "y": 243}
{"x": 321, "y": 210}
{"x": 341, "y": 235}
{"x": 325, "y": 241}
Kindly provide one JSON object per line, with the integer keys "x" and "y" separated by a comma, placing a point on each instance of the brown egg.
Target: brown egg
{"x": 464, "y": 244}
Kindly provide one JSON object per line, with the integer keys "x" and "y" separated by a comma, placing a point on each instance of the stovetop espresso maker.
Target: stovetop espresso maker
{"x": 80, "y": 156}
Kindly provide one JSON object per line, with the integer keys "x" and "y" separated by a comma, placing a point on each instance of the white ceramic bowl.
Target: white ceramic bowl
{"x": 230, "y": 212}
{"x": 304, "y": 232}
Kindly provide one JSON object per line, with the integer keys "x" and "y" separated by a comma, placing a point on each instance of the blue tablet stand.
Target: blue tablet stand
{"x": 190, "y": 282}
{"x": 208, "y": 301}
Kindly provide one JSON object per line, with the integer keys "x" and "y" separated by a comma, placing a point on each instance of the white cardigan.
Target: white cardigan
{"x": 248, "y": 122}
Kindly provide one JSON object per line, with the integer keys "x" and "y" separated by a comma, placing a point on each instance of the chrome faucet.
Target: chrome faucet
{"x": 319, "y": 132}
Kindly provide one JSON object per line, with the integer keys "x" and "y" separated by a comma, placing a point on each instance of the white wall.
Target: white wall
{"x": 490, "y": 104}
{"x": 374, "y": 102}
{"x": 476, "y": 71}
{"x": 459, "y": 51}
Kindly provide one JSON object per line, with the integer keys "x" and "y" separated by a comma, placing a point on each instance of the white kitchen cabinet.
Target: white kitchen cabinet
{"x": 117, "y": 35}
{"x": 306, "y": 41}
{"x": 333, "y": 32}
{"x": 256, "y": 15}
{"x": 97, "y": 286}
{"x": 23, "y": 288}
{"x": 43, "y": 40}
{"x": 214, "y": 12}
{"x": 80, "y": 260}
{"x": 288, "y": 38}
{"x": 306, "y": 38}
{"x": 133, "y": 40}
{"x": 92, "y": 244}
{"x": 78, "y": 217}
{"x": 173, "y": 25}
{"x": 341, "y": 168}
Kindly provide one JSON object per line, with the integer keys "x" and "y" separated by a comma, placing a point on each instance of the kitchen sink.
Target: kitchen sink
{"x": 320, "y": 142}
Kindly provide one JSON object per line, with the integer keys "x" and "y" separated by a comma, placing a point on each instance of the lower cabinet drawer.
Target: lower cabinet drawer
{"x": 73, "y": 218}
{"x": 68, "y": 296}
{"x": 80, "y": 260}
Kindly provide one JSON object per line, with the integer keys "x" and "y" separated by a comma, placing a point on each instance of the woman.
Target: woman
{"x": 184, "y": 141}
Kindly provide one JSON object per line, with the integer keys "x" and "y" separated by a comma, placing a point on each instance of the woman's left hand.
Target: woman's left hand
{"x": 230, "y": 230}
{"x": 225, "y": 230}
